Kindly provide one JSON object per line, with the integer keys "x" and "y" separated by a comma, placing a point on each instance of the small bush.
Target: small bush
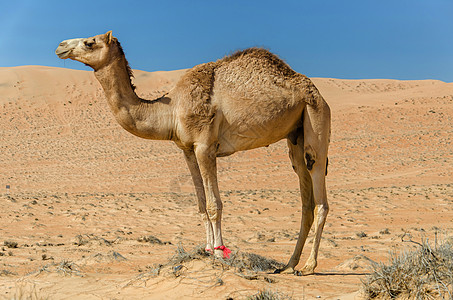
{"x": 150, "y": 239}
{"x": 67, "y": 267}
{"x": 182, "y": 255}
{"x": 10, "y": 244}
{"x": 269, "y": 295}
{"x": 253, "y": 262}
{"x": 421, "y": 274}
{"x": 239, "y": 260}
{"x": 81, "y": 240}
{"x": 361, "y": 234}
{"x": 384, "y": 231}
{"x": 7, "y": 273}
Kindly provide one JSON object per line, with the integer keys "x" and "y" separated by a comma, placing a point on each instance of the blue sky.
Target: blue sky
{"x": 354, "y": 39}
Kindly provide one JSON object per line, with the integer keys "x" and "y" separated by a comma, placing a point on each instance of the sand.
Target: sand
{"x": 84, "y": 193}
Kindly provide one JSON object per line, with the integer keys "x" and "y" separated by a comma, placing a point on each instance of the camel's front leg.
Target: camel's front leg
{"x": 206, "y": 157}
{"x": 201, "y": 196}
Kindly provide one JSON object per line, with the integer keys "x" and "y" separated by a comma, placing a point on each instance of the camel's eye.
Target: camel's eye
{"x": 89, "y": 44}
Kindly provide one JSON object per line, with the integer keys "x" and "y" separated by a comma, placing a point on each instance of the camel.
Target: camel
{"x": 243, "y": 101}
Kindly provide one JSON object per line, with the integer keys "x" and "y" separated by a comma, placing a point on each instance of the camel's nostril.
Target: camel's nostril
{"x": 62, "y": 44}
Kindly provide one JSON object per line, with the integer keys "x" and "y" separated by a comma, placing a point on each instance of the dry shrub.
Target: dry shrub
{"x": 425, "y": 273}
{"x": 7, "y": 273}
{"x": 241, "y": 261}
{"x": 65, "y": 267}
{"x": 182, "y": 256}
{"x": 269, "y": 295}
{"x": 245, "y": 265}
{"x": 10, "y": 244}
{"x": 150, "y": 239}
{"x": 244, "y": 261}
{"x": 87, "y": 239}
{"x": 175, "y": 262}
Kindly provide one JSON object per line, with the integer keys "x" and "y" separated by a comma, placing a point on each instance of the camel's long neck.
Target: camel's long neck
{"x": 147, "y": 119}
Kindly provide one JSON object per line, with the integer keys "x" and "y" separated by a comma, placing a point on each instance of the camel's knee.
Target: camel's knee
{"x": 204, "y": 216}
{"x": 214, "y": 210}
{"x": 323, "y": 209}
{"x": 214, "y": 215}
{"x": 321, "y": 212}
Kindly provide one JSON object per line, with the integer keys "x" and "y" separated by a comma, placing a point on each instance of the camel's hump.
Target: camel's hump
{"x": 265, "y": 58}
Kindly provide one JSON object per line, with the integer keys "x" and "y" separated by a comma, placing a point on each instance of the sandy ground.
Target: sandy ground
{"x": 84, "y": 194}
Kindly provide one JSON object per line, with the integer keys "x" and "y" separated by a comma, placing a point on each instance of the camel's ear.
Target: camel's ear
{"x": 108, "y": 37}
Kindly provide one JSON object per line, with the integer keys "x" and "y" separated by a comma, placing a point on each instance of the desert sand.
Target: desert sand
{"x": 84, "y": 194}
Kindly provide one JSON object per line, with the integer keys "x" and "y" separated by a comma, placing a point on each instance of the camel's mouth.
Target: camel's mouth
{"x": 62, "y": 53}
{"x": 65, "y": 48}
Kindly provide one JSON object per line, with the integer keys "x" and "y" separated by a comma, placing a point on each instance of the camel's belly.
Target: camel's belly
{"x": 234, "y": 143}
{"x": 243, "y": 134}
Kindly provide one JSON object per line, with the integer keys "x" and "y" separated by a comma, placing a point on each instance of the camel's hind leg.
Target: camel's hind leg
{"x": 316, "y": 142}
{"x": 308, "y": 153}
{"x": 296, "y": 154}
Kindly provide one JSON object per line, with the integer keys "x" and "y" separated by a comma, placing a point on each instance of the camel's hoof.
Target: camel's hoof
{"x": 305, "y": 271}
{"x": 218, "y": 253}
{"x": 222, "y": 252}
{"x": 285, "y": 270}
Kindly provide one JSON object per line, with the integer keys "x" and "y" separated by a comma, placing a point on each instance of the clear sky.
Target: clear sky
{"x": 353, "y": 39}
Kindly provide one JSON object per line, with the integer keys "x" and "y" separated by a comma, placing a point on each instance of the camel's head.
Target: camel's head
{"x": 96, "y": 51}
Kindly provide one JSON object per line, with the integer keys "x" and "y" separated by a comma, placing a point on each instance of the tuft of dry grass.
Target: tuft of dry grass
{"x": 65, "y": 267}
{"x": 425, "y": 273}
{"x": 150, "y": 239}
{"x": 86, "y": 239}
{"x": 247, "y": 265}
{"x": 244, "y": 261}
{"x": 182, "y": 256}
{"x": 7, "y": 273}
{"x": 269, "y": 295}
{"x": 10, "y": 244}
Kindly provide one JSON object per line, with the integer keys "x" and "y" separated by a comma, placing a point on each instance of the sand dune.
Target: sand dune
{"x": 85, "y": 192}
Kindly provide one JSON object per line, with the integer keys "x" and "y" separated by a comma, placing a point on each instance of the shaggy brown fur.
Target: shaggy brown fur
{"x": 270, "y": 61}
{"x": 128, "y": 67}
{"x": 198, "y": 83}
{"x": 201, "y": 79}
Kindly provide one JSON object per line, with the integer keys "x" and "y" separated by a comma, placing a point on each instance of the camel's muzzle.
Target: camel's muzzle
{"x": 65, "y": 48}
{"x": 63, "y": 54}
